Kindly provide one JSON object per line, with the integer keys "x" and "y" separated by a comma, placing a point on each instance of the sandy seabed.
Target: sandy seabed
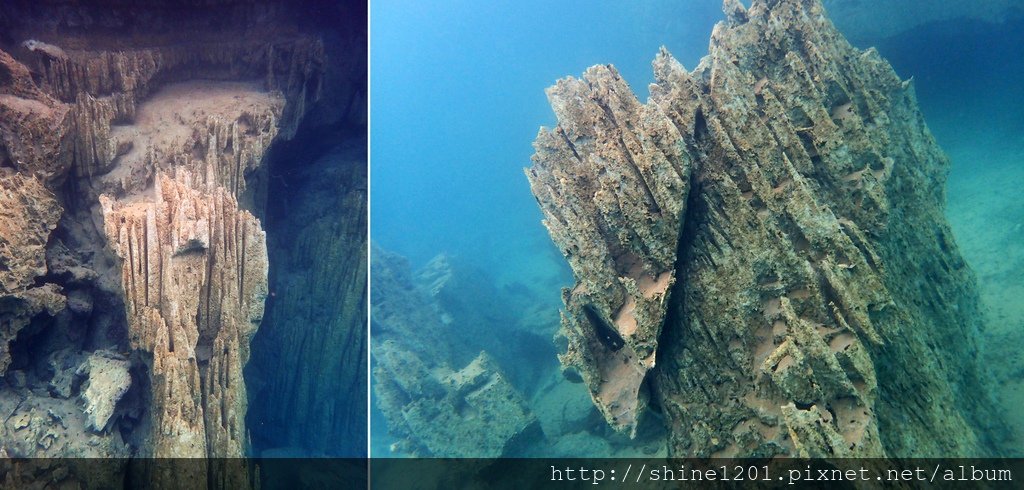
{"x": 986, "y": 211}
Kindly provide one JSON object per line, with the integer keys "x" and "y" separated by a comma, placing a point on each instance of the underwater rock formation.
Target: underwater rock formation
{"x": 194, "y": 272}
{"x": 617, "y": 225}
{"x": 446, "y": 413}
{"x": 107, "y": 381}
{"x": 770, "y": 228}
{"x": 308, "y": 371}
{"x": 133, "y": 257}
{"x": 471, "y": 306}
{"x": 28, "y": 213}
{"x": 401, "y": 311}
{"x": 194, "y": 265}
{"x": 316, "y": 318}
{"x": 432, "y": 409}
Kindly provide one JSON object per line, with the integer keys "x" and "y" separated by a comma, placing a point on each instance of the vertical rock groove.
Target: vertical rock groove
{"x": 133, "y": 159}
{"x": 618, "y": 226}
{"x": 808, "y": 309}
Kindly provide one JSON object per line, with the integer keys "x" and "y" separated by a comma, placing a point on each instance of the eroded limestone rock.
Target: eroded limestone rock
{"x": 33, "y": 125}
{"x": 446, "y": 413}
{"x": 39, "y": 427}
{"x": 403, "y": 312}
{"x": 316, "y": 318}
{"x": 132, "y": 318}
{"x": 431, "y": 407}
{"x": 818, "y": 293}
{"x": 108, "y": 381}
{"x": 28, "y": 213}
{"x": 195, "y": 310}
{"x": 617, "y": 224}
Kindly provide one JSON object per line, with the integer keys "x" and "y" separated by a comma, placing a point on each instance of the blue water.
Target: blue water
{"x": 457, "y": 90}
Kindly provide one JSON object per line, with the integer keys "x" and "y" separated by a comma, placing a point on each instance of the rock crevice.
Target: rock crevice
{"x": 133, "y": 258}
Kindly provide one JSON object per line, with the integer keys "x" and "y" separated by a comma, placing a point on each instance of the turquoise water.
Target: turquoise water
{"x": 457, "y": 92}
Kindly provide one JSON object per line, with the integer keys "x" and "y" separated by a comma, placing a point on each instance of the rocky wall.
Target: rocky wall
{"x": 816, "y": 303}
{"x": 135, "y": 267}
{"x": 316, "y": 318}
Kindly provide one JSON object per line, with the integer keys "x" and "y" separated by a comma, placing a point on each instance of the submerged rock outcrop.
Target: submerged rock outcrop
{"x": 28, "y": 213}
{"x": 464, "y": 367}
{"x": 612, "y": 181}
{"x": 133, "y": 259}
{"x": 444, "y": 413}
{"x": 769, "y": 229}
{"x": 431, "y": 408}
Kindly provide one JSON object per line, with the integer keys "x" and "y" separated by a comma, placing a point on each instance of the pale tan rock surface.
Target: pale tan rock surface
{"x": 108, "y": 381}
{"x": 820, "y": 306}
{"x": 133, "y": 172}
{"x": 194, "y": 275}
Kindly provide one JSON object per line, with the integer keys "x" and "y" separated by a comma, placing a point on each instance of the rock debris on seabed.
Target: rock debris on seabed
{"x": 761, "y": 253}
{"x": 432, "y": 409}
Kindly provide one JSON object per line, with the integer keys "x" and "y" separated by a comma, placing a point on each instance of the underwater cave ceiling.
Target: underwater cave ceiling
{"x": 761, "y": 252}
{"x": 134, "y": 170}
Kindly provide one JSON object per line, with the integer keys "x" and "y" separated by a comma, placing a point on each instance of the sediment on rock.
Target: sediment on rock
{"x": 132, "y": 162}
{"x": 817, "y": 304}
{"x": 440, "y": 395}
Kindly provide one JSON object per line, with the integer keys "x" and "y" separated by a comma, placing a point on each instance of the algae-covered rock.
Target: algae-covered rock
{"x": 792, "y": 195}
{"x": 440, "y": 412}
